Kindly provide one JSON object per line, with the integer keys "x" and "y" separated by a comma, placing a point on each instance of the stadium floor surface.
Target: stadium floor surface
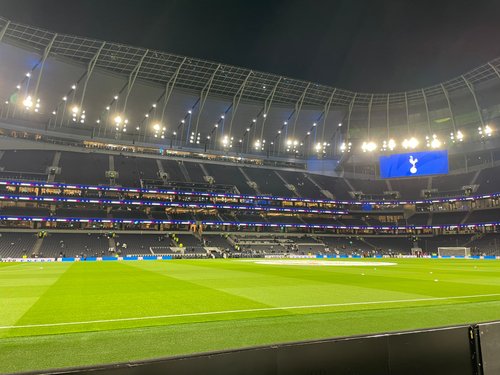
{"x": 71, "y": 314}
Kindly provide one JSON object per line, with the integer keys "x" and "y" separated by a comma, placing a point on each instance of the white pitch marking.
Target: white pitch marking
{"x": 325, "y": 263}
{"x": 251, "y": 310}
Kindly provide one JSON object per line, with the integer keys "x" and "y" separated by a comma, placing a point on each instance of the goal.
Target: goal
{"x": 454, "y": 251}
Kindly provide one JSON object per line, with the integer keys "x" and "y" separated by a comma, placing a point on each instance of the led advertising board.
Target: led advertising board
{"x": 414, "y": 164}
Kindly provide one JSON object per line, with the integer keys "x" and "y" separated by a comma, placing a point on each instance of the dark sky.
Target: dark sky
{"x": 372, "y": 45}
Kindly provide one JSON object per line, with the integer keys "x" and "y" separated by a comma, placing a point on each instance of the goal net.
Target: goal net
{"x": 454, "y": 251}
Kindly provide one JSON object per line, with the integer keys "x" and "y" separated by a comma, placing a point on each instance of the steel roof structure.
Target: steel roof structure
{"x": 224, "y": 80}
{"x": 461, "y": 103}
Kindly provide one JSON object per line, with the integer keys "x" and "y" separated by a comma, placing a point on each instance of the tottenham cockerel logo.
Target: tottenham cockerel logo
{"x": 413, "y": 163}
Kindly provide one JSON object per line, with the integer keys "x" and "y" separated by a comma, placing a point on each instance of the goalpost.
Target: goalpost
{"x": 454, "y": 251}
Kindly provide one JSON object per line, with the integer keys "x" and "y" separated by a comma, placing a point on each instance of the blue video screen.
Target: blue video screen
{"x": 413, "y": 164}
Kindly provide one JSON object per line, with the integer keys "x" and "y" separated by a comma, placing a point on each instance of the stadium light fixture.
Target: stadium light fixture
{"x": 369, "y": 146}
{"x": 388, "y": 145}
{"x": 410, "y": 143}
{"x": 73, "y": 87}
{"x": 485, "y": 131}
{"x": 345, "y": 147}
{"x": 435, "y": 142}
{"x": 28, "y": 74}
{"x": 227, "y": 142}
{"x": 28, "y": 102}
{"x": 457, "y": 137}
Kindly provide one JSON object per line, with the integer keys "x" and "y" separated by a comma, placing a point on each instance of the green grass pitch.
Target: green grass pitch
{"x": 71, "y": 314}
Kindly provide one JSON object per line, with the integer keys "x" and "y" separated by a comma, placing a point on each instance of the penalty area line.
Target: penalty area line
{"x": 249, "y": 311}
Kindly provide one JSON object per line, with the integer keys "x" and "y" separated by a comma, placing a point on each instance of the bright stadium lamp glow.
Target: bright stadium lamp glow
{"x": 156, "y": 127}
{"x": 488, "y": 130}
{"x": 118, "y": 119}
{"x": 345, "y": 147}
{"x": 460, "y": 136}
{"x": 369, "y": 146}
{"x": 75, "y": 109}
{"x": 410, "y": 143}
{"x": 318, "y": 147}
{"x": 485, "y": 131}
{"x": 28, "y": 102}
{"x": 391, "y": 144}
{"x": 435, "y": 143}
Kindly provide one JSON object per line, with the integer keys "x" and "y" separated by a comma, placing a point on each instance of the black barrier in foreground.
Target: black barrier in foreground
{"x": 431, "y": 352}
{"x": 489, "y": 343}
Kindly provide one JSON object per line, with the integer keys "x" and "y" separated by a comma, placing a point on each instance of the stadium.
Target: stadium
{"x": 163, "y": 213}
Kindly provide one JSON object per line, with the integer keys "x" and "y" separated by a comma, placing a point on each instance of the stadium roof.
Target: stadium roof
{"x": 290, "y": 114}
{"x": 221, "y": 79}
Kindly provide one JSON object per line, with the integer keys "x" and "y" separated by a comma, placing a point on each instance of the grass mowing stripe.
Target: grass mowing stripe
{"x": 252, "y": 310}
{"x": 93, "y": 347}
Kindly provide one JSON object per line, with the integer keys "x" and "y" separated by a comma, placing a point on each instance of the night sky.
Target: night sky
{"x": 372, "y": 45}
